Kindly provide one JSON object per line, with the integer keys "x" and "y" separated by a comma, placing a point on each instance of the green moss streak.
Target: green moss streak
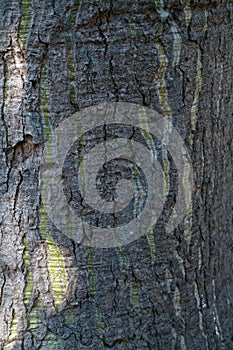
{"x": 25, "y": 20}
{"x": 69, "y": 318}
{"x": 35, "y": 317}
{"x": 161, "y": 84}
{"x": 56, "y": 267}
{"x": 145, "y": 131}
{"x": 91, "y": 272}
{"x": 14, "y": 327}
{"x": 150, "y": 238}
{"x": 71, "y": 68}
{"x": 69, "y": 46}
{"x": 149, "y": 141}
{"x": 135, "y": 297}
{"x": 188, "y": 13}
{"x": 43, "y": 222}
{"x": 138, "y": 188}
{"x": 99, "y": 323}
{"x": 52, "y": 342}
{"x": 176, "y": 45}
{"x": 73, "y": 14}
{"x": 55, "y": 261}
{"x": 29, "y": 276}
{"x": 122, "y": 257}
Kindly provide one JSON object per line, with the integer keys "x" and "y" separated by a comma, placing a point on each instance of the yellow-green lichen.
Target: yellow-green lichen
{"x": 52, "y": 342}
{"x": 145, "y": 132}
{"x": 26, "y": 6}
{"x": 122, "y": 257}
{"x": 69, "y": 318}
{"x": 73, "y": 14}
{"x": 55, "y": 261}
{"x": 151, "y": 241}
{"x": 176, "y": 44}
{"x": 161, "y": 84}
{"x": 29, "y": 275}
{"x": 56, "y": 267}
{"x": 188, "y": 12}
{"x": 71, "y": 67}
{"x": 99, "y": 322}
{"x": 91, "y": 271}
{"x": 43, "y": 222}
{"x": 206, "y": 21}
{"x": 134, "y": 296}
{"x": 70, "y": 51}
{"x": 35, "y": 317}
{"x": 138, "y": 188}
{"x": 14, "y": 327}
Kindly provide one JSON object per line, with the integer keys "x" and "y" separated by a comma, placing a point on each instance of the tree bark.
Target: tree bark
{"x": 165, "y": 291}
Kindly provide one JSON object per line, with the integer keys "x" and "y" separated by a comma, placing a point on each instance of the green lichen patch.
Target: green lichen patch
{"x": 121, "y": 257}
{"x": 188, "y": 12}
{"x": 29, "y": 275}
{"x": 35, "y": 317}
{"x": 70, "y": 51}
{"x": 99, "y": 323}
{"x": 26, "y": 9}
{"x": 150, "y": 238}
{"x": 134, "y": 296}
{"x": 56, "y": 267}
{"x": 161, "y": 84}
{"x": 91, "y": 272}
{"x": 14, "y": 327}
{"x": 55, "y": 261}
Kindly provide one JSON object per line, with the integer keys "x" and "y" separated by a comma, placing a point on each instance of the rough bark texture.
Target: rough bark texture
{"x": 161, "y": 292}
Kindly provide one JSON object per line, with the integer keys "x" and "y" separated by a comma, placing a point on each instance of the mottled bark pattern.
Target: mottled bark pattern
{"x": 163, "y": 291}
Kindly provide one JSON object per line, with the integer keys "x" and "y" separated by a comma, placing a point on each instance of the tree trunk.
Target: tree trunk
{"x": 163, "y": 290}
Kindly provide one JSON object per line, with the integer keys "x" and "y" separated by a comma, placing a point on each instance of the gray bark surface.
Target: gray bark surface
{"x": 172, "y": 291}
